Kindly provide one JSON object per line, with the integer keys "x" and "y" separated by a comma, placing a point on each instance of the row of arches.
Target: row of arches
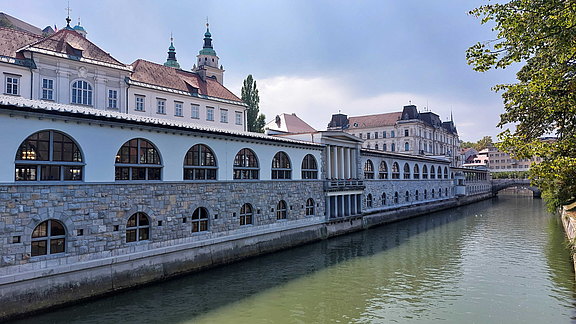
{"x": 428, "y": 172}
{"x": 54, "y": 156}
{"x": 49, "y": 237}
{"x": 407, "y": 196}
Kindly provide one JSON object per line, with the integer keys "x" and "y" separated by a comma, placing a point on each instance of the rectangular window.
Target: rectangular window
{"x": 392, "y": 134}
{"x": 161, "y": 106}
{"x": 375, "y": 134}
{"x": 178, "y": 109}
{"x": 12, "y": 85}
{"x": 384, "y": 134}
{"x": 239, "y": 118}
{"x": 223, "y": 115}
{"x": 405, "y": 132}
{"x": 367, "y": 135}
{"x": 112, "y": 99}
{"x": 47, "y": 89}
{"x": 195, "y": 111}
{"x": 139, "y": 103}
{"x": 210, "y": 113}
{"x": 360, "y": 135}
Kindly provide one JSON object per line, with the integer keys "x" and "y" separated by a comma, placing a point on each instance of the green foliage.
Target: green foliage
{"x": 510, "y": 175}
{"x": 255, "y": 120}
{"x": 485, "y": 142}
{"x": 540, "y": 35}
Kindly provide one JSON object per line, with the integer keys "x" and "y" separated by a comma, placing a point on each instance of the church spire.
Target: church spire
{"x": 171, "y": 61}
{"x": 207, "y": 63}
{"x": 207, "y": 49}
{"x": 68, "y": 20}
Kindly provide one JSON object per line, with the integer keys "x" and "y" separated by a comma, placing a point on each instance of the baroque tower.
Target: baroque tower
{"x": 207, "y": 63}
{"x": 171, "y": 61}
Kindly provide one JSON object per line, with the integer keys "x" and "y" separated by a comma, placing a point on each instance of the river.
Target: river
{"x": 503, "y": 260}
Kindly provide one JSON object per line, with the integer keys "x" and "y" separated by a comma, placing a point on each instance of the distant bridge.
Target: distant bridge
{"x": 500, "y": 184}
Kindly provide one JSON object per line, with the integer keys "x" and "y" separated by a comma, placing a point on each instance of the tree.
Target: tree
{"x": 540, "y": 35}
{"x": 255, "y": 120}
{"x": 485, "y": 142}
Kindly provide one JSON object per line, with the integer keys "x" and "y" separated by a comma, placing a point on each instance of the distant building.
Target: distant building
{"x": 408, "y": 131}
{"x": 288, "y": 124}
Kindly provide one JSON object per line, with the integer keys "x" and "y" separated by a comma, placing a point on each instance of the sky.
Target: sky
{"x": 314, "y": 58}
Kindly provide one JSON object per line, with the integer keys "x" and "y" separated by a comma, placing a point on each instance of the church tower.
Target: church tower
{"x": 171, "y": 61}
{"x": 207, "y": 63}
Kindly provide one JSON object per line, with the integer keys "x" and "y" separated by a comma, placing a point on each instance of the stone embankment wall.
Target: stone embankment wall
{"x": 569, "y": 222}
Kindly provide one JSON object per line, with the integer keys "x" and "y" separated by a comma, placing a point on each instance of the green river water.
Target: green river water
{"x": 503, "y": 260}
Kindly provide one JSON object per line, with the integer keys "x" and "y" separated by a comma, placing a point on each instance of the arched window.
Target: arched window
{"x": 138, "y": 228}
{"x": 376, "y": 147}
{"x": 424, "y": 172}
{"x": 81, "y": 93}
{"x": 246, "y": 165}
{"x": 396, "y": 197}
{"x": 200, "y": 163}
{"x": 309, "y": 167}
{"x": 433, "y": 194}
{"x": 407, "y": 196}
{"x": 406, "y": 146}
{"x": 417, "y": 195}
{"x": 310, "y": 207}
{"x": 439, "y": 192}
{"x": 425, "y": 194}
{"x": 445, "y": 172}
{"x": 406, "y": 171}
{"x": 395, "y": 171}
{"x": 383, "y": 170}
{"x": 281, "y": 210}
{"x": 439, "y": 172}
{"x": 49, "y": 156}
{"x": 432, "y": 173}
{"x": 138, "y": 159}
{"x": 383, "y": 199}
{"x": 369, "y": 201}
{"x": 200, "y": 220}
{"x": 48, "y": 237}
{"x": 416, "y": 171}
{"x": 446, "y": 192}
{"x": 246, "y": 215}
{"x": 368, "y": 170}
{"x": 281, "y": 167}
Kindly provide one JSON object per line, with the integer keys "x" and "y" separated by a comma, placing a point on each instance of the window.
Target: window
{"x": 406, "y": 132}
{"x": 432, "y": 173}
{"x": 48, "y": 237}
{"x": 246, "y": 215}
{"x": 161, "y": 106}
{"x": 425, "y": 194}
{"x": 407, "y": 196}
{"x": 210, "y": 113}
{"x": 195, "y": 111}
{"x": 406, "y": 171}
{"x": 369, "y": 201}
{"x": 417, "y": 195}
{"x": 393, "y": 147}
{"x": 439, "y": 172}
{"x": 309, "y": 167}
{"x": 367, "y": 135}
{"x": 310, "y": 207}
{"x": 178, "y": 109}
{"x": 81, "y": 93}
{"x": 433, "y": 193}
{"x": 446, "y": 172}
{"x": 49, "y": 156}
{"x": 384, "y": 147}
{"x": 200, "y": 163}
{"x": 376, "y": 146}
{"x": 200, "y": 220}
{"x": 396, "y": 197}
{"x": 406, "y": 146}
{"x": 138, "y": 228}
{"x": 383, "y": 170}
{"x": 139, "y": 103}
{"x": 113, "y": 99}
{"x": 47, "y": 89}
{"x": 384, "y": 134}
{"x": 368, "y": 170}
{"x": 395, "y": 171}
{"x": 239, "y": 118}
{"x": 246, "y": 165}
{"x": 383, "y": 199}
{"x": 281, "y": 168}
{"x": 424, "y": 172}
{"x": 138, "y": 159}
{"x": 360, "y": 135}
{"x": 223, "y": 115}
{"x": 416, "y": 171}
{"x": 12, "y": 85}
{"x": 281, "y": 210}
{"x": 392, "y": 134}
{"x": 376, "y": 135}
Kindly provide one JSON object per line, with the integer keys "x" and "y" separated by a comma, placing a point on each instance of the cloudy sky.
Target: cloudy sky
{"x": 309, "y": 57}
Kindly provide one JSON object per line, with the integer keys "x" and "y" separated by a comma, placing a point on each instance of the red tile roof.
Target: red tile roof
{"x": 290, "y": 123}
{"x": 12, "y": 40}
{"x": 369, "y": 121}
{"x": 66, "y": 41}
{"x": 164, "y": 76}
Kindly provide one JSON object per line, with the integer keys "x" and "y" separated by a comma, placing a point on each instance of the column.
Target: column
{"x": 341, "y": 163}
{"x": 352, "y": 204}
{"x": 353, "y": 163}
{"x": 328, "y": 162}
{"x": 336, "y": 166}
{"x": 346, "y": 163}
{"x": 342, "y": 205}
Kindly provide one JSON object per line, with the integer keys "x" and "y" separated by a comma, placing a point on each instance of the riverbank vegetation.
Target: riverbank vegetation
{"x": 540, "y": 35}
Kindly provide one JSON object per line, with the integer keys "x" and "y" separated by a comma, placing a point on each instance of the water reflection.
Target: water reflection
{"x": 497, "y": 260}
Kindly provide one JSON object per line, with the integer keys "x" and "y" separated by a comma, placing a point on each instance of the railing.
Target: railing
{"x": 345, "y": 184}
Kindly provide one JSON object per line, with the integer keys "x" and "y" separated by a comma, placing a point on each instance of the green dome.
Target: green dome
{"x": 79, "y": 28}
